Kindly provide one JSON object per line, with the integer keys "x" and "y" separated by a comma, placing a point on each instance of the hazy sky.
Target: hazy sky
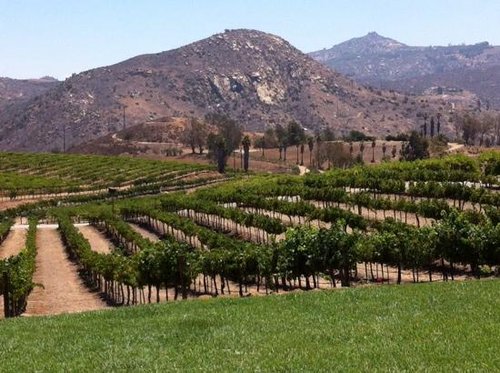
{"x": 60, "y": 37}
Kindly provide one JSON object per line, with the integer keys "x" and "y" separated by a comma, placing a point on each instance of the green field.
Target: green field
{"x": 428, "y": 327}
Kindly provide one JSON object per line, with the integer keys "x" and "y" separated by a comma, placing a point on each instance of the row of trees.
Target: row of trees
{"x": 221, "y": 135}
{"x": 228, "y": 134}
{"x": 434, "y": 127}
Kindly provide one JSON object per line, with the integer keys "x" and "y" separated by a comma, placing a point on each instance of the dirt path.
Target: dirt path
{"x": 98, "y": 242}
{"x": 63, "y": 291}
{"x": 14, "y": 243}
{"x": 145, "y": 233}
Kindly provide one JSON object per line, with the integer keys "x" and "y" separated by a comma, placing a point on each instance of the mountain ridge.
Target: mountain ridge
{"x": 257, "y": 78}
{"x": 388, "y": 64}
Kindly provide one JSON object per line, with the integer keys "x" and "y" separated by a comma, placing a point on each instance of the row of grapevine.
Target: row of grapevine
{"x": 17, "y": 274}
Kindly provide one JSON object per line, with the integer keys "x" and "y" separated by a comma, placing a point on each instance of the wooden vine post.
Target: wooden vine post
{"x": 6, "y": 290}
{"x": 182, "y": 268}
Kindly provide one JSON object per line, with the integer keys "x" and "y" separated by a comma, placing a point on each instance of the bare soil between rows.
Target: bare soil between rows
{"x": 61, "y": 290}
{"x": 14, "y": 243}
{"x": 98, "y": 241}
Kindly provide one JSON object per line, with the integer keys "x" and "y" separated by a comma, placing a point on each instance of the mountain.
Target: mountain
{"x": 389, "y": 64}
{"x": 371, "y": 44}
{"x": 258, "y": 79}
{"x": 13, "y": 90}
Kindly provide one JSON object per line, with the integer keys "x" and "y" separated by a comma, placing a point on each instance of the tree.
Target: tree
{"x": 327, "y": 134}
{"x": 225, "y": 141}
{"x": 438, "y": 123}
{"x": 497, "y": 130}
{"x": 228, "y": 128}
{"x": 469, "y": 126}
{"x": 270, "y": 140}
{"x": 296, "y": 135}
{"x": 486, "y": 124}
{"x": 246, "y": 151}
{"x": 357, "y": 136}
{"x": 282, "y": 138}
{"x": 361, "y": 149}
{"x": 432, "y": 126}
{"x": 310, "y": 144}
{"x": 267, "y": 141}
{"x": 373, "y": 151}
{"x": 217, "y": 150}
{"x": 195, "y": 135}
{"x": 336, "y": 154}
{"x": 417, "y": 147}
{"x": 384, "y": 149}
{"x": 394, "y": 151}
{"x": 260, "y": 143}
{"x": 318, "y": 149}
{"x": 424, "y": 134}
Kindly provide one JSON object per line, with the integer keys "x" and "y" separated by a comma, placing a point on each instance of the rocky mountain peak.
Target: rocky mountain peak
{"x": 256, "y": 78}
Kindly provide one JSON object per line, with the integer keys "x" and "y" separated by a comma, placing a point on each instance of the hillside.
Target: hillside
{"x": 389, "y": 64}
{"x": 14, "y": 90}
{"x": 257, "y": 78}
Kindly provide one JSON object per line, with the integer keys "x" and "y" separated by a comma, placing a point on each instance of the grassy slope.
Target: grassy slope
{"x": 439, "y": 327}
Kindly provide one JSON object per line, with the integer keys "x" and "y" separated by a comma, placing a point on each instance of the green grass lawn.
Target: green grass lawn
{"x": 427, "y": 327}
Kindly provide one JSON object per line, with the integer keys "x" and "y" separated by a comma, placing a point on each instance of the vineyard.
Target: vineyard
{"x": 424, "y": 221}
{"x": 25, "y": 175}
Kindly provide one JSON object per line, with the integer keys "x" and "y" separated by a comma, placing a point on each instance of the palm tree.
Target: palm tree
{"x": 318, "y": 148}
{"x": 394, "y": 151}
{"x": 295, "y": 136}
{"x": 310, "y": 144}
{"x": 282, "y": 138}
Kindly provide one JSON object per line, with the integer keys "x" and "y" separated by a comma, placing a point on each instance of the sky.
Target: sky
{"x": 61, "y": 37}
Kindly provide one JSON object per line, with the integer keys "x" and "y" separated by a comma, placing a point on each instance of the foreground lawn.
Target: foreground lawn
{"x": 438, "y": 327}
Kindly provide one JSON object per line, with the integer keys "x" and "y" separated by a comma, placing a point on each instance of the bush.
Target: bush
{"x": 358, "y": 136}
{"x": 398, "y": 137}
